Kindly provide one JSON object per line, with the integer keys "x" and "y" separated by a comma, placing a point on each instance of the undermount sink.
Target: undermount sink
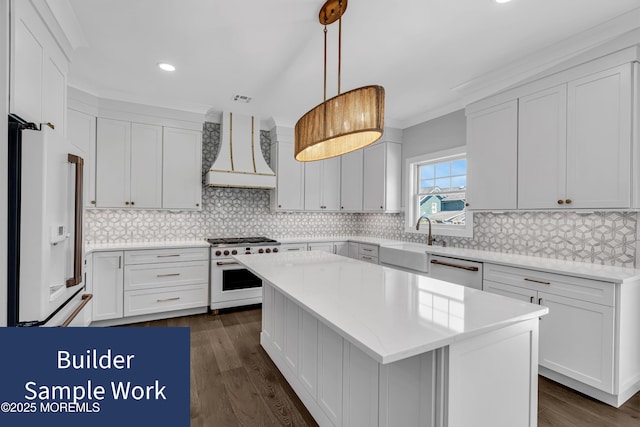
{"x": 406, "y": 255}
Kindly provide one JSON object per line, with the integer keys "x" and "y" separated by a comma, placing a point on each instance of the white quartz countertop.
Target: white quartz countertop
{"x": 389, "y": 314}
{"x": 99, "y": 247}
{"x": 582, "y": 269}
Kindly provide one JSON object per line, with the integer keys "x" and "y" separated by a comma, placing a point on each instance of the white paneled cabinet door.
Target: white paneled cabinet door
{"x": 324, "y": 247}
{"x": 182, "y": 169}
{"x": 312, "y": 186}
{"x": 373, "y": 175}
{"x": 331, "y": 184}
{"x": 54, "y": 96}
{"x": 146, "y": 166}
{"x": 292, "y": 334}
{"x": 353, "y": 251}
{"x": 308, "y": 369}
{"x": 510, "y": 291}
{"x": 278, "y": 321}
{"x": 542, "y": 149}
{"x": 322, "y": 185}
{"x": 27, "y": 62}
{"x": 330, "y": 354}
{"x": 108, "y": 285}
{"x": 81, "y": 129}
{"x": 351, "y": 176}
{"x": 599, "y": 139}
{"x": 113, "y": 163}
{"x": 341, "y": 248}
{"x": 576, "y": 339}
{"x": 492, "y": 157}
{"x": 290, "y": 179}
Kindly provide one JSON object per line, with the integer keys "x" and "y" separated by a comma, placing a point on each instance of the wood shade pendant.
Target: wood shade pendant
{"x": 346, "y": 122}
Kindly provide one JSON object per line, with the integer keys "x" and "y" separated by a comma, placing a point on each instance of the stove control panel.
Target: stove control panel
{"x": 249, "y": 250}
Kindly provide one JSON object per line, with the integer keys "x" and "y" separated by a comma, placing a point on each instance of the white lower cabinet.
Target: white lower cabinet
{"x": 330, "y": 348}
{"x": 144, "y": 282}
{"x": 341, "y": 248}
{"x": 291, "y": 334}
{"x": 108, "y": 285}
{"x": 577, "y": 336}
{"x": 321, "y": 246}
{"x": 353, "y": 250}
{"x": 293, "y": 247}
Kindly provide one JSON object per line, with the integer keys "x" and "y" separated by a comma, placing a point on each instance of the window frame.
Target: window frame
{"x": 411, "y": 195}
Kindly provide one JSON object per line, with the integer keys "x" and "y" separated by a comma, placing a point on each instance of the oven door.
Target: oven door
{"x": 232, "y": 285}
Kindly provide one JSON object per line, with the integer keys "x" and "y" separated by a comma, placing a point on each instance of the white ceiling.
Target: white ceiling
{"x": 272, "y": 51}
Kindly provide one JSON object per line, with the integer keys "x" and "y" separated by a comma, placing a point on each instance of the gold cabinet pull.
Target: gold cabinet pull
{"x": 169, "y": 275}
{"x": 537, "y": 281}
{"x": 168, "y": 299}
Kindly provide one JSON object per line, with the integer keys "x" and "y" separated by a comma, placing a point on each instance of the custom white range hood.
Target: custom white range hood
{"x": 240, "y": 162}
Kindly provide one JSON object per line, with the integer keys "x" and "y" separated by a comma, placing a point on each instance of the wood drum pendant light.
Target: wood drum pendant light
{"x": 346, "y": 122}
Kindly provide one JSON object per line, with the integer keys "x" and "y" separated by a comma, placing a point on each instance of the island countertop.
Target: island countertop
{"x": 389, "y": 314}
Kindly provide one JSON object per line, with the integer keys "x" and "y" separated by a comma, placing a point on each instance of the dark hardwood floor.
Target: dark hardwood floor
{"x": 235, "y": 383}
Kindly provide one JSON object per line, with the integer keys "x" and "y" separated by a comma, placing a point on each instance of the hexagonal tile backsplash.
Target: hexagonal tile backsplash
{"x": 598, "y": 237}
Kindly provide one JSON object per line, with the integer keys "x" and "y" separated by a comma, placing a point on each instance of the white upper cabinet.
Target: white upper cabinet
{"x": 382, "y": 170}
{"x": 38, "y": 84}
{"x": 113, "y": 163}
{"x": 351, "y": 187}
{"x": 146, "y": 166}
{"x": 542, "y": 149}
{"x": 289, "y": 192}
{"x": 574, "y": 144}
{"x": 322, "y": 185}
{"x": 599, "y": 117}
{"x": 81, "y": 129}
{"x": 182, "y": 169}
{"x": 492, "y": 157}
{"x": 572, "y": 136}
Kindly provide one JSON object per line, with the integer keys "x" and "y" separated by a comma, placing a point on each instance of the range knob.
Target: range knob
{"x": 226, "y": 252}
{"x": 234, "y": 252}
{"x": 275, "y": 250}
{"x": 260, "y": 250}
{"x": 218, "y": 253}
{"x": 268, "y": 250}
{"x": 247, "y": 253}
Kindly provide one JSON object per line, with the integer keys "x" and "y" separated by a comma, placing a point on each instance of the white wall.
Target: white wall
{"x": 445, "y": 132}
{"x": 4, "y": 109}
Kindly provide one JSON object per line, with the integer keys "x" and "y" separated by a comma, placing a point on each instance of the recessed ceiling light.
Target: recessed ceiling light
{"x": 166, "y": 67}
{"x": 501, "y": 1}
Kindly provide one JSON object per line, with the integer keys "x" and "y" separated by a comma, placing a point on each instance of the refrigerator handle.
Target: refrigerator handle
{"x": 77, "y": 234}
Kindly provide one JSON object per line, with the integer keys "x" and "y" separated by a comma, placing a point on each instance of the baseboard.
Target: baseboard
{"x": 150, "y": 317}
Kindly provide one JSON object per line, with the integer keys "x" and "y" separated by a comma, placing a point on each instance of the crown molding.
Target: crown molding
{"x": 623, "y": 28}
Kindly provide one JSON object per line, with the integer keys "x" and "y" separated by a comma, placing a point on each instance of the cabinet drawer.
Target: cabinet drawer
{"x": 568, "y": 286}
{"x": 165, "y": 299}
{"x": 293, "y": 247}
{"x": 367, "y": 258}
{"x": 368, "y": 250}
{"x": 144, "y": 276}
{"x": 149, "y": 256}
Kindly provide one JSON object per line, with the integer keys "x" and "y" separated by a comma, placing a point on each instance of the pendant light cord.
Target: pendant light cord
{"x": 339, "y": 44}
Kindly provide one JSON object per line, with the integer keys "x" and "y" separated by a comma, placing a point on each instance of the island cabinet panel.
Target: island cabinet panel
{"x": 330, "y": 348}
{"x": 360, "y": 389}
{"x": 308, "y": 368}
{"x": 291, "y": 334}
{"x": 278, "y": 321}
{"x": 505, "y": 361}
{"x": 267, "y": 314}
{"x": 345, "y": 385}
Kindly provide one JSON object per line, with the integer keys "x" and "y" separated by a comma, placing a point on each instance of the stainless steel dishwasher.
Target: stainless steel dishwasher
{"x": 454, "y": 270}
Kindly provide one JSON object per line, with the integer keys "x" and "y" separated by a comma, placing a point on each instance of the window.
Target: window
{"x": 436, "y": 185}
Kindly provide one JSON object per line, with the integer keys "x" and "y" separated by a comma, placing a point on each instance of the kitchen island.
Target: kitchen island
{"x": 365, "y": 345}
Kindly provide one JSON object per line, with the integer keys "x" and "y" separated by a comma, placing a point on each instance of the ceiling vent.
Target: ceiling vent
{"x": 242, "y": 98}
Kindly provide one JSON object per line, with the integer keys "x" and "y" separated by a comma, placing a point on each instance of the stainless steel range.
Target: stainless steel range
{"x": 232, "y": 285}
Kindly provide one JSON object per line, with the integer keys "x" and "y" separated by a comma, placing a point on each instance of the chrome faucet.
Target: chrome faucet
{"x": 429, "y": 236}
